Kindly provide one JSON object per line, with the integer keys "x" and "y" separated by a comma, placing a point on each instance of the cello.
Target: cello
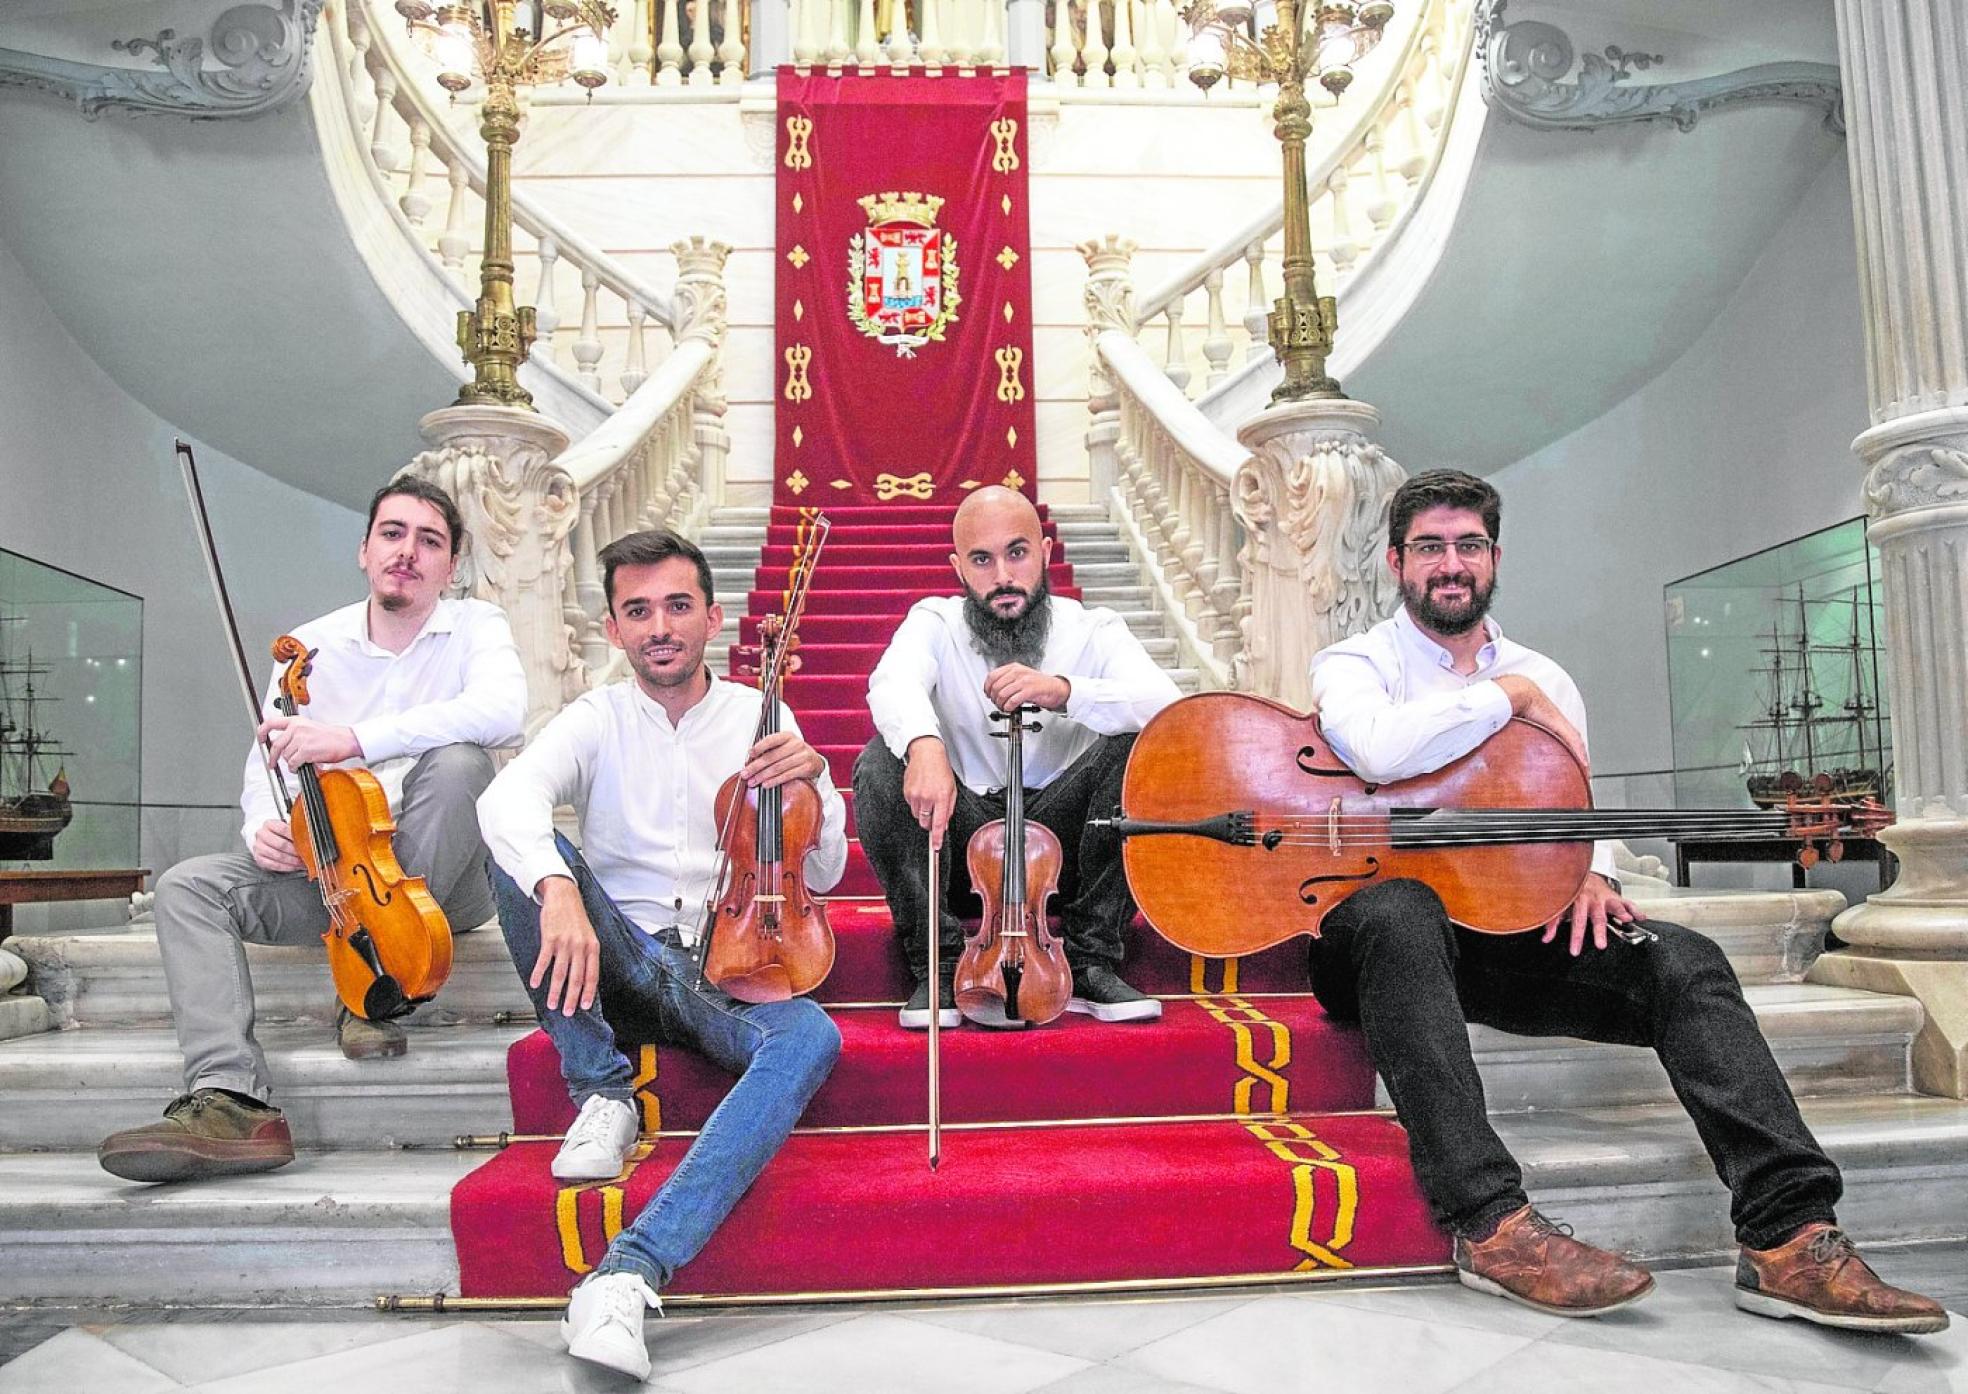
{"x": 766, "y": 936}
{"x": 1243, "y": 829}
{"x": 389, "y": 945}
{"x": 1013, "y": 970}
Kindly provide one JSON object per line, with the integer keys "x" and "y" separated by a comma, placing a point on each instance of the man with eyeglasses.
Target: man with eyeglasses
{"x": 1409, "y": 696}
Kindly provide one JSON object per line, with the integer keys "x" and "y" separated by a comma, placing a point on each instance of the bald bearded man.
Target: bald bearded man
{"x": 934, "y": 774}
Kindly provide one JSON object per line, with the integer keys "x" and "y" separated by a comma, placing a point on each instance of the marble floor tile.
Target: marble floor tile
{"x": 455, "y": 1357}
{"x": 880, "y": 1352}
{"x": 79, "y": 1360}
{"x": 1692, "y": 1317}
{"x": 1090, "y": 1329}
{"x": 1936, "y": 1364}
{"x": 1449, "y": 1302}
{"x": 1117, "y": 1379}
{"x": 1547, "y": 1368}
{"x": 197, "y": 1352}
{"x": 1281, "y": 1342}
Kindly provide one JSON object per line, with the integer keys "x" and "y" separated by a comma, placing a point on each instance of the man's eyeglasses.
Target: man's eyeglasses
{"x": 1433, "y": 549}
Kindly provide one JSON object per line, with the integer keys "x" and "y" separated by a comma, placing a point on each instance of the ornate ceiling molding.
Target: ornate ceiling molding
{"x": 1526, "y": 66}
{"x": 253, "y": 58}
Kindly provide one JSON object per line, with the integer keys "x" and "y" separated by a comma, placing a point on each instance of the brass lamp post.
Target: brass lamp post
{"x": 1338, "y": 34}
{"x": 507, "y": 44}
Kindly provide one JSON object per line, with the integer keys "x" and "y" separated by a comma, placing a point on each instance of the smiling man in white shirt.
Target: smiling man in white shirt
{"x": 415, "y": 688}
{"x": 1409, "y": 696}
{"x": 934, "y": 774}
{"x": 606, "y": 933}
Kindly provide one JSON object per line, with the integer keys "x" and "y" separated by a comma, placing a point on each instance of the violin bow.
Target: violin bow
{"x": 203, "y": 522}
{"x": 935, "y": 1006}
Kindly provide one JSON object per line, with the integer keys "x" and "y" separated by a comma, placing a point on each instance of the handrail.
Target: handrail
{"x": 1194, "y": 434}
{"x": 601, "y": 452}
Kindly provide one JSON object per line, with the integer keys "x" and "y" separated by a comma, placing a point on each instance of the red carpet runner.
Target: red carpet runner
{"x": 1193, "y": 1188}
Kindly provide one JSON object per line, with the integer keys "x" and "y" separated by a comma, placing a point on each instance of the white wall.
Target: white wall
{"x": 1741, "y": 443}
{"x": 88, "y": 482}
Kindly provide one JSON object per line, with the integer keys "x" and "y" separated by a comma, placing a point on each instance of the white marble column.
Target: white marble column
{"x": 1905, "y": 66}
{"x": 1313, "y": 502}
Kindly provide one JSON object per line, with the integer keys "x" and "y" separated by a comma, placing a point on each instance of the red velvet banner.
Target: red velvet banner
{"x": 903, "y": 371}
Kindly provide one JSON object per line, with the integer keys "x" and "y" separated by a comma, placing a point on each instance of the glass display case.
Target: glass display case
{"x": 1774, "y": 671}
{"x": 71, "y": 686}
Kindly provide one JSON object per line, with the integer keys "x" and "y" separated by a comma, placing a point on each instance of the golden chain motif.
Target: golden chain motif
{"x": 1005, "y": 132}
{"x": 1310, "y": 1158}
{"x": 798, "y": 389}
{"x": 1245, "y": 1022}
{"x": 798, "y": 128}
{"x": 916, "y": 486}
{"x": 1010, "y": 360}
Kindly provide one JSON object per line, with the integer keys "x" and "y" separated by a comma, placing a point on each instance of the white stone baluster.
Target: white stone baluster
{"x": 867, "y": 49}
{"x": 454, "y": 243}
{"x": 901, "y": 47}
{"x": 1340, "y": 243}
{"x": 380, "y": 149}
{"x": 1126, "y": 75}
{"x": 838, "y": 49}
{"x": 1176, "y": 361}
{"x": 360, "y": 80}
{"x": 933, "y": 52}
{"x": 1415, "y": 158}
{"x": 416, "y": 205}
{"x": 669, "y": 49}
{"x": 1381, "y": 204}
{"x": 546, "y": 314}
{"x": 1216, "y": 343}
{"x": 1156, "y": 69}
{"x": 639, "y": 49}
{"x": 702, "y": 53}
{"x": 634, "y": 374}
{"x": 991, "y": 41}
{"x": 587, "y": 348}
{"x": 731, "y": 53}
{"x": 1256, "y": 308}
{"x": 1095, "y": 52}
{"x": 1064, "y": 50}
{"x": 1434, "y": 81}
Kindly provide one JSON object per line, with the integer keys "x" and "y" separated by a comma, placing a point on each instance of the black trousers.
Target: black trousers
{"x": 1390, "y": 958}
{"x": 1094, "y": 905}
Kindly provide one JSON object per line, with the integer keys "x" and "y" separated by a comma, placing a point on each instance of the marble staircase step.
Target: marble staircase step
{"x": 341, "y": 1227}
{"x": 24, "y": 1015}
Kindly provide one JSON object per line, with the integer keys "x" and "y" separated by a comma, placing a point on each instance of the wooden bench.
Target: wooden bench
{"x": 41, "y": 887}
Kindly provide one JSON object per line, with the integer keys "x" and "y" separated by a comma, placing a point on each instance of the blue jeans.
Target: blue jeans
{"x": 782, "y": 1052}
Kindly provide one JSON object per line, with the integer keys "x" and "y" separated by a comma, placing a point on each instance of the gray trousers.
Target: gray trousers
{"x": 209, "y": 908}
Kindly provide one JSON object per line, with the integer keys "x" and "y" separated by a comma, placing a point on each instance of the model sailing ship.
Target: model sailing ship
{"x": 1825, "y": 746}
{"x": 31, "y": 813}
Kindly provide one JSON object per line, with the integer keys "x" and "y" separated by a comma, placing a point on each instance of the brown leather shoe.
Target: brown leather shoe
{"x": 1819, "y": 1276}
{"x": 1533, "y": 1261}
{"x": 369, "y": 1040}
{"x": 204, "y": 1133}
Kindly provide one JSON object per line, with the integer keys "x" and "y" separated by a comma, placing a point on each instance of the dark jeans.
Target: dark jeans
{"x": 1390, "y": 959}
{"x": 1094, "y": 905}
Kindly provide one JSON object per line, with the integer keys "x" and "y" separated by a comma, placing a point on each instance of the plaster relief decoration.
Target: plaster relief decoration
{"x": 246, "y": 60}
{"x": 1313, "y": 501}
{"x": 1528, "y": 75}
{"x": 1916, "y": 478}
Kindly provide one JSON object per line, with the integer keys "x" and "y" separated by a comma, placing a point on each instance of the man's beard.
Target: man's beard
{"x": 652, "y": 676}
{"x": 394, "y": 602}
{"x": 1442, "y": 619}
{"x": 1018, "y": 640}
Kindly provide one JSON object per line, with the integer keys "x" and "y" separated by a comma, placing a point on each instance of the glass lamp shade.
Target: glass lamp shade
{"x": 1206, "y": 56}
{"x": 590, "y": 59}
{"x": 415, "y": 11}
{"x": 454, "y": 49}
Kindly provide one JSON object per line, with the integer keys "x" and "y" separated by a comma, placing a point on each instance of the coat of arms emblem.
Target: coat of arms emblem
{"x": 902, "y": 273}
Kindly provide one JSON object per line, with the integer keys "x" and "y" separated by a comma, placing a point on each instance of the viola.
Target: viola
{"x": 766, "y": 936}
{"x": 389, "y": 945}
{"x": 1012, "y": 970}
{"x": 1243, "y": 828}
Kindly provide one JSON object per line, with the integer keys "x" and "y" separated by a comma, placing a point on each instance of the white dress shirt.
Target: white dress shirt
{"x": 645, "y": 792}
{"x": 459, "y": 682}
{"x": 1393, "y": 706}
{"x": 930, "y": 682}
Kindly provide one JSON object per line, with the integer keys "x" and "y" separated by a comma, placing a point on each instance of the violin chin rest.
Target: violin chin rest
{"x": 384, "y": 1001}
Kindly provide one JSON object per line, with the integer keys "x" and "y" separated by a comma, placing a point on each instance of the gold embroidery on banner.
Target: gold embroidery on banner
{"x": 1005, "y": 203}
{"x": 1005, "y": 133}
{"x": 798, "y": 128}
{"x": 1007, "y": 259}
{"x": 1013, "y": 480}
{"x": 970, "y": 484}
{"x": 799, "y": 310}
{"x": 1244, "y": 1021}
{"x": 916, "y": 486}
{"x": 650, "y": 1101}
{"x": 798, "y": 389}
{"x": 1010, "y": 360}
{"x": 799, "y": 202}
{"x": 841, "y": 484}
{"x": 798, "y": 257}
{"x": 1007, "y": 312}
{"x": 798, "y": 482}
{"x": 799, "y": 436}
{"x": 1309, "y": 1157}
{"x": 1011, "y": 437}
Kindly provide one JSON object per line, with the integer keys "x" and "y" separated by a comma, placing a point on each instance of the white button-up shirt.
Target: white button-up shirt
{"x": 930, "y": 682}
{"x": 645, "y": 792}
{"x": 459, "y": 682}
{"x": 1393, "y": 706}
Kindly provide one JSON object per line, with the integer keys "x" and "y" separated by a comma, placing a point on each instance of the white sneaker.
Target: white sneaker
{"x": 599, "y": 1141}
{"x": 604, "y": 1322}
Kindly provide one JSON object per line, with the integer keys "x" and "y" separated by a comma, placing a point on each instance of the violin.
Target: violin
{"x": 1243, "y": 828}
{"x": 766, "y": 936}
{"x": 389, "y": 945}
{"x": 1012, "y": 970}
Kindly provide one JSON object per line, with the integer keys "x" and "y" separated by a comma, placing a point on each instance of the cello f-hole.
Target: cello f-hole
{"x": 1307, "y": 754}
{"x": 1310, "y": 897}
